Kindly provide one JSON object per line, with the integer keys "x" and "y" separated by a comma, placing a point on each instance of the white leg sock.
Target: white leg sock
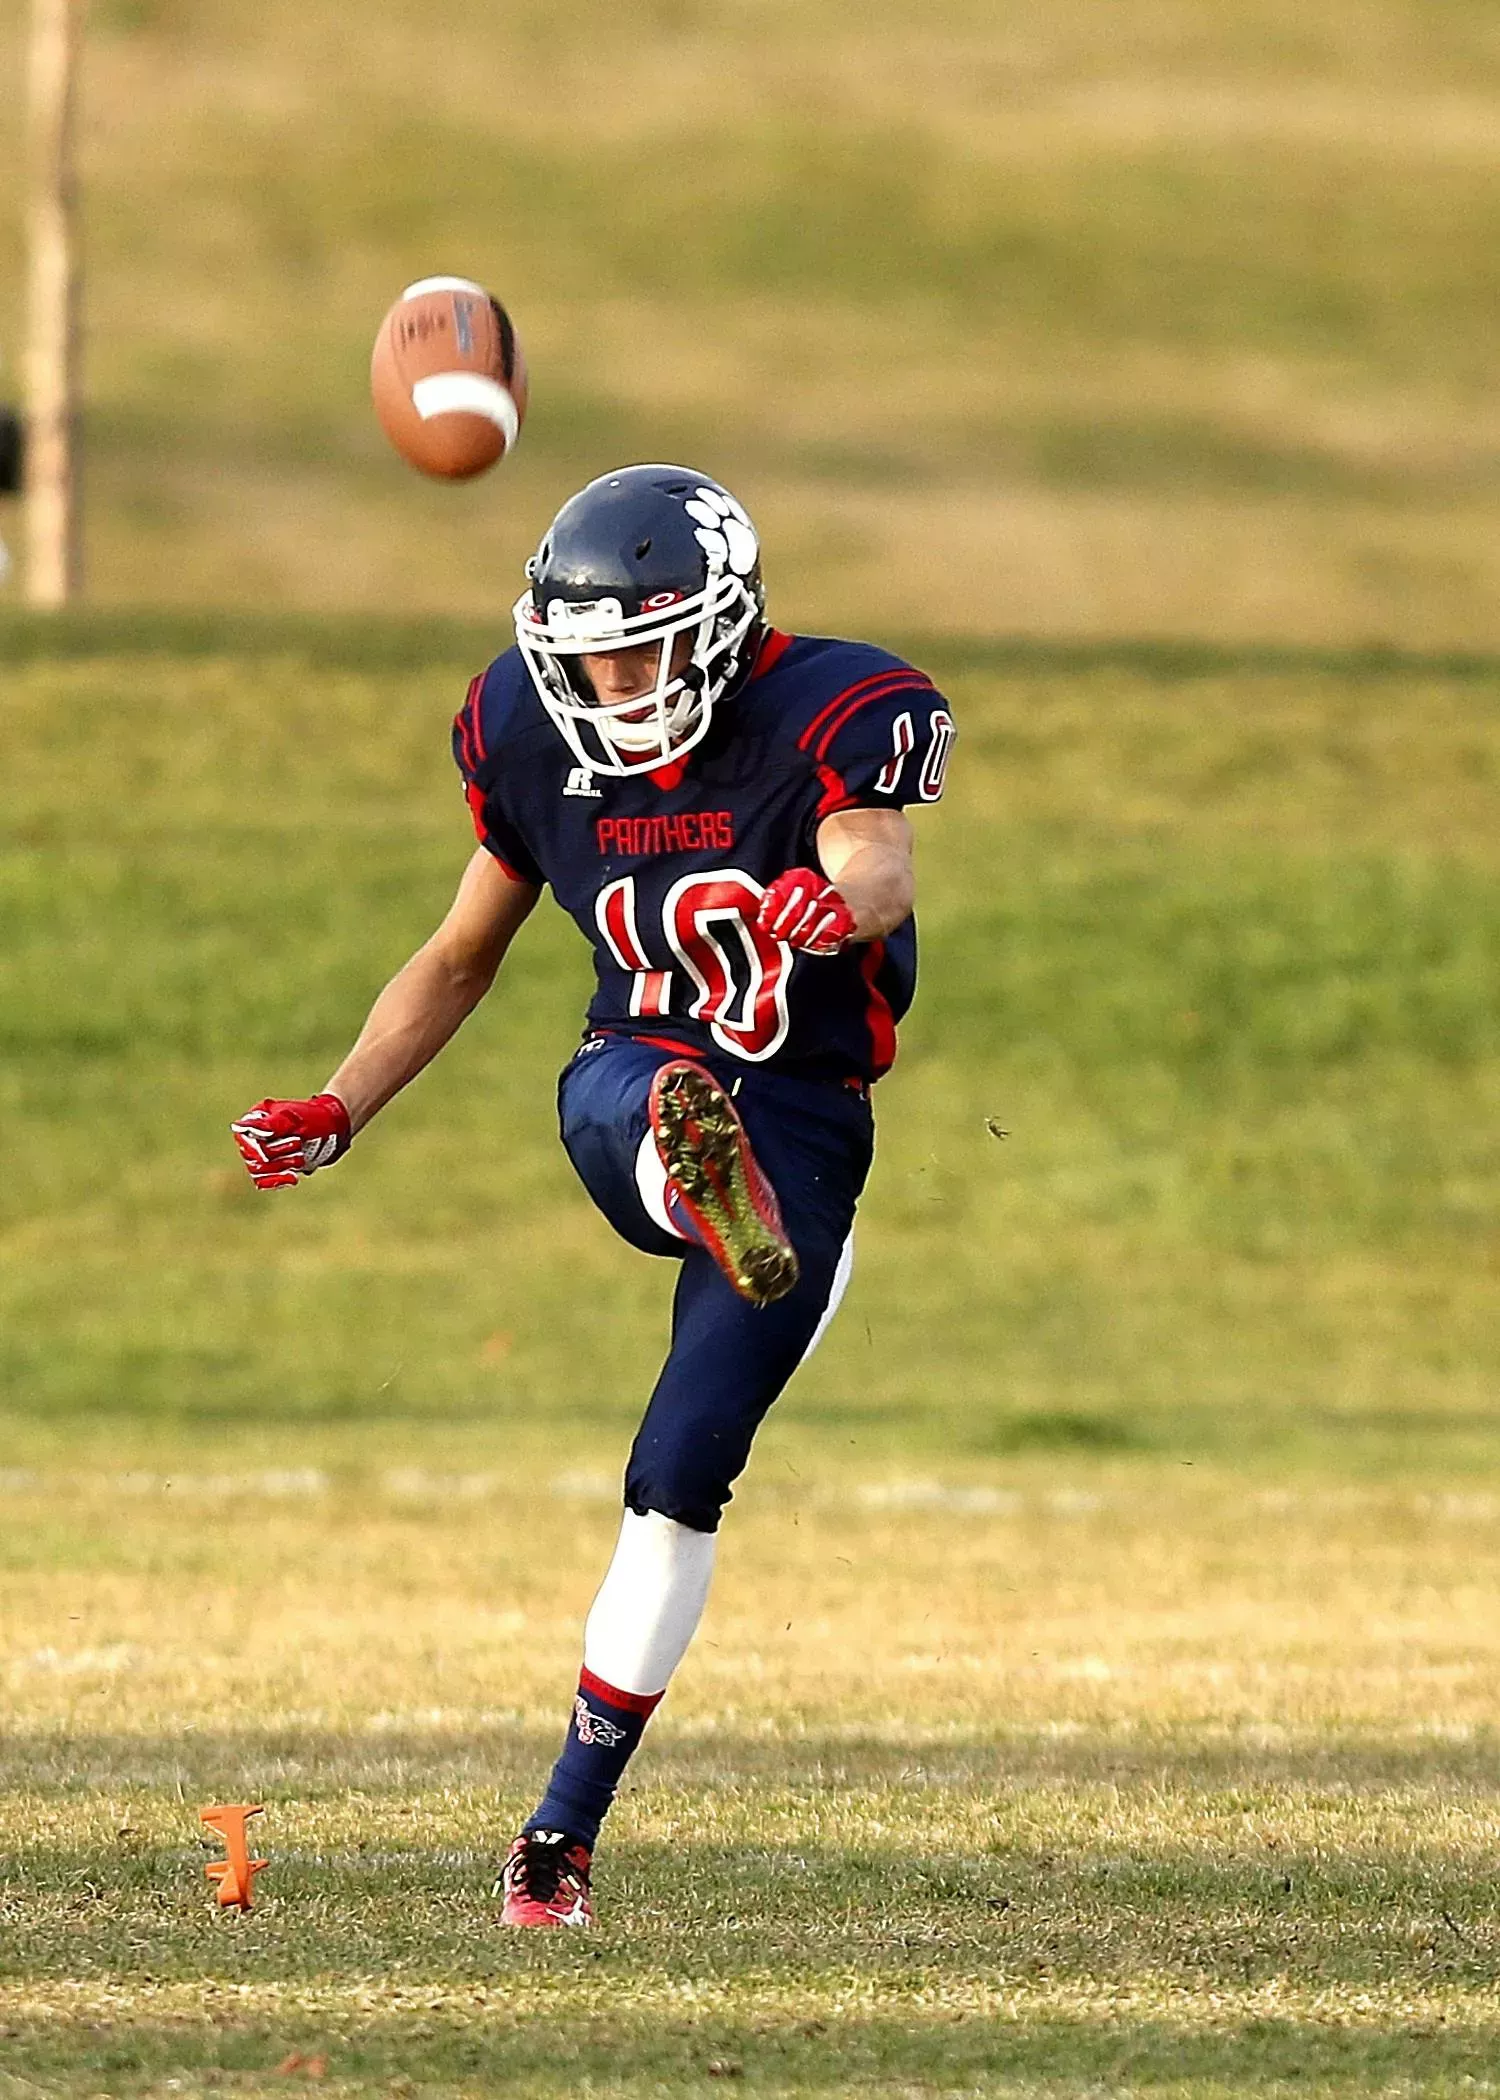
{"x": 649, "y": 1603}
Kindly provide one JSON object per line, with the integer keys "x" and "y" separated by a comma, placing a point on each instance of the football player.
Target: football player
{"x": 719, "y": 806}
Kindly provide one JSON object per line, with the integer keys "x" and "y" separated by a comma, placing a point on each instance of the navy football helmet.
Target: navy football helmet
{"x": 646, "y": 554}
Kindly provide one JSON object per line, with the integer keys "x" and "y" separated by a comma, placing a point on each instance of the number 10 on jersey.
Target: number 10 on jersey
{"x": 733, "y": 974}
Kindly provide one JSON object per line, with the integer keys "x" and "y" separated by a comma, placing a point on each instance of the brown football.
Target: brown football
{"x": 448, "y": 378}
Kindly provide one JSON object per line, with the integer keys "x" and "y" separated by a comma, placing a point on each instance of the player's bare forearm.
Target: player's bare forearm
{"x": 867, "y": 853}
{"x": 430, "y": 997}
{"x": 420, "y": 1010}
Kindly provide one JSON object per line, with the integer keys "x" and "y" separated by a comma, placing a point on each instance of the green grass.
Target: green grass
{"x": 1163, "y": 1821}
{"x": 1216, "y": 946}
{"x": 1214, "y": 941}
{"x": 1183, "y": 329}
{"x": 1100, "y": 1690}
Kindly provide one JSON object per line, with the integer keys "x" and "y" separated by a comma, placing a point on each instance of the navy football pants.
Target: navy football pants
{"x": 728, "y": 1360}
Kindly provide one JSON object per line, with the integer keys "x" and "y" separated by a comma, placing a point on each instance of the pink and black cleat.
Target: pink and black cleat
{"x": 545, "y": 1881}
{"x": 715, "y": 1184}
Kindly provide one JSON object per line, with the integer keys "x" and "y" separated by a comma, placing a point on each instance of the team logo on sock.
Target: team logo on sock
{"x": 593, "y": 1728}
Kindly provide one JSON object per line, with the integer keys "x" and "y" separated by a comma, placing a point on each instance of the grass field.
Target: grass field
{"x": 1100, "y": 1693}
{"x": 1081, "y": 1791}
{"x": 1101, "y": 1690}
{"x": 1163, "y": 319}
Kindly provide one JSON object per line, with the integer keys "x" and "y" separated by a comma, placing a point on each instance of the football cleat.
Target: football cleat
{"x": 726, "y": 1200}
{"x": 545, "y": 1881}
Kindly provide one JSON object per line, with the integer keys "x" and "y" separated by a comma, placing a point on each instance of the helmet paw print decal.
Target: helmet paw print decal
{"x": 723, "y": 530}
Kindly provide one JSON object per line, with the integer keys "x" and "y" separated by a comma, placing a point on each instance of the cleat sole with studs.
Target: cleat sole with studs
{"x": 707, "y": 1155}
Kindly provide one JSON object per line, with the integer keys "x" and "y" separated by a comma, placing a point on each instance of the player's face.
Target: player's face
{"x": 616, "y": 675}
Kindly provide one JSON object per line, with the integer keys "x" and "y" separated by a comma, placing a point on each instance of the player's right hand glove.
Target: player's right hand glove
{"x": 280, "y": 1141}
{"x": 804, "y": 909}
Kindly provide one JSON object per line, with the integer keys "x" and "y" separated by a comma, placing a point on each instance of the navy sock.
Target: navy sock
{"x": 606, "y": 1727}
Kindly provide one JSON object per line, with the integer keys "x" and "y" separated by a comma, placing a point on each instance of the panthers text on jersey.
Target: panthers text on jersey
{"x": 663, "y": 872}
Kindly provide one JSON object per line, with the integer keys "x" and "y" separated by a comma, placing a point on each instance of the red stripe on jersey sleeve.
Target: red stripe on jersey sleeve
{"x": 805, "y": 741}
{"x": 461, "y": 731}
{"x": 878, "y": 1016}
{"x": 835, "y": 796}
{"x": 911, "y": 682}
{"x": 474, "y": 796}
{"x": 472, "y": 711}
{"x": 810, "y": 734}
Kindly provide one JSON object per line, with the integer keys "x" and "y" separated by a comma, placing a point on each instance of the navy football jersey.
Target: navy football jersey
{"x": 663, "y": 871}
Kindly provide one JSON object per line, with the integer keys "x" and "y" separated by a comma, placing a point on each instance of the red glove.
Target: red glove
{"x": 280, "y": 1141}
{"x": 804, "y": 909}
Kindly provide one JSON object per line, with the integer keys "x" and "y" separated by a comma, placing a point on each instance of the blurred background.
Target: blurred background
{"x": 1154, "y": 319}
{"x": 1133, "y": 368}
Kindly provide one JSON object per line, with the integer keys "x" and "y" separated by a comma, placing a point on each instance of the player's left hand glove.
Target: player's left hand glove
{"x": 280, "y": 1141}
{"x": 804, "y": 909}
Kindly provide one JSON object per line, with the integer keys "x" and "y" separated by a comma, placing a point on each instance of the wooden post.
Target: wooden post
{"x": 51, "y": 378}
